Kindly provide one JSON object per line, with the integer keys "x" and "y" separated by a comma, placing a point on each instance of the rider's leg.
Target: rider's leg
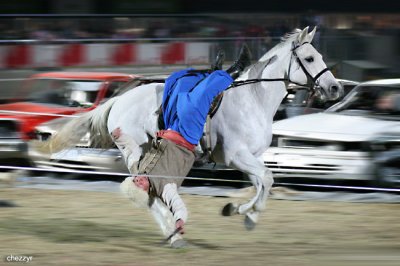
{"x": 130, "y": 150}
{"x": 241, "y": 63}
{"x": 204, "y": 93}
{"x": 219, "y": 60}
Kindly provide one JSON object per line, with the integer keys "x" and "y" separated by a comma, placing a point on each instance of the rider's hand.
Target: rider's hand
{"x": 180, "y": 224}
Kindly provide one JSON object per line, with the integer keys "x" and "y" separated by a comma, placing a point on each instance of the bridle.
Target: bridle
{"x": 312, "y": 81}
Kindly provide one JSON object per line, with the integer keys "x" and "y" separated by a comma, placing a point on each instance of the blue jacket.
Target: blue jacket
{"x": 187, "y": 97}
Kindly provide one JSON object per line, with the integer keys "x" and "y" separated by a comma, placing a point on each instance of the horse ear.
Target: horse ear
{"x": 310, "y": 36}
{"x": 303, "y": 35}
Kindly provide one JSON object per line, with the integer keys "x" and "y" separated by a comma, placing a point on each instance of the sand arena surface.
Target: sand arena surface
{"x": 59, "y": 227}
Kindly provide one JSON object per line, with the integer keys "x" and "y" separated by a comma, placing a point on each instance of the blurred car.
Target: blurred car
{"x": 47, "y": 96}
{"x": 353, "y": 140}
{"x": 299, "y": 100}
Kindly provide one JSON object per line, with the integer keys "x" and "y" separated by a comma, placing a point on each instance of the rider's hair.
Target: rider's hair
{"x": 138, "y": 196}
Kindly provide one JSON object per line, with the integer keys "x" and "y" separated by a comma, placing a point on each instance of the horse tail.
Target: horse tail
{"x": 99, "y": 135}
{"x": 93, "y": 122}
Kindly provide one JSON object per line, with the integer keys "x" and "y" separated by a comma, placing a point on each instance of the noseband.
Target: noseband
{"x": 313, "y": 79}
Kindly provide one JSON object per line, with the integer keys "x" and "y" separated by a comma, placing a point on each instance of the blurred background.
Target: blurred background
{"x": 73, "y": 223}
{"x": 359, "y": 40}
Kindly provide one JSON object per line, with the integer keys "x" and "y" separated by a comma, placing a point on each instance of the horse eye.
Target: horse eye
{"x": 309, "y": 59}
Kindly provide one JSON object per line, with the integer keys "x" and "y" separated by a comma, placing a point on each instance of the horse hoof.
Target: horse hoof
{"x": 249, "y": 224}
{"x": 229, "y": 209}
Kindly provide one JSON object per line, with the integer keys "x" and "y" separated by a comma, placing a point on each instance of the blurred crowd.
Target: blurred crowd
{"x": 218, "y": 26}
{"x": 227, "y": 26}
{"x": 128, "y": 28}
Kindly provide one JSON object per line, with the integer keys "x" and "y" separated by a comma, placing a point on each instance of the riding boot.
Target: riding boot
{"x": 241, "y": 63}
{"x": 219, "y": 60}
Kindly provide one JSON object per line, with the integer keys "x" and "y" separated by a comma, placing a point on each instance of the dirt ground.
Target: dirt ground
{"x": 102, "y": 228}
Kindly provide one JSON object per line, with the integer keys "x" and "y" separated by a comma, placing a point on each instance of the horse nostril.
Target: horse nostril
{"x": 336, "y": 91}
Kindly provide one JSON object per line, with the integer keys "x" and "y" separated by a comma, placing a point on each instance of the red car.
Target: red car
{"x": 52, "y": 95}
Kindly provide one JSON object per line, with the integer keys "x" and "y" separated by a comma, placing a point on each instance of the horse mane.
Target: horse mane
{"x": 287, "y": 38}
{"x": 291, "y": 35}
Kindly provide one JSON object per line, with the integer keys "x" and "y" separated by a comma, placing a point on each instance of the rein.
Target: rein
{"x": 313, "y": 79}
{"x": 252, "y": 81}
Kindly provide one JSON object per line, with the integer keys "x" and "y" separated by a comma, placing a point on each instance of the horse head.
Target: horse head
{"x": 306, "y": 65}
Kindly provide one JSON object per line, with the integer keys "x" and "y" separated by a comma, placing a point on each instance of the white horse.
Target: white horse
{"x": 241, "y": 129}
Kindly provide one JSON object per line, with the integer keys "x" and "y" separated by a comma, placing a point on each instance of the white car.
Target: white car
{"x": 347, "y": 141}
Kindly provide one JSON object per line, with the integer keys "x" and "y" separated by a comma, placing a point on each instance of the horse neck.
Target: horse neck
{"x": 278, "y": 67}
{"x": 265, "y": 96}
{"x": 271, "y": 93}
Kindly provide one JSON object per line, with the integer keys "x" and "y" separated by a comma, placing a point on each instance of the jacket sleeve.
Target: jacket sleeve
{"x": 174, "y": 202}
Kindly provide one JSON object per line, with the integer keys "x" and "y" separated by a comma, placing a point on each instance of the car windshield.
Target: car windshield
{"x": 371, "y": 100}
{"x": 64, "y": 92}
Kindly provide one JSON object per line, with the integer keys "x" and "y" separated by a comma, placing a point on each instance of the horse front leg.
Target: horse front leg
{"x": 260, "y": 200}
{"x": 263, "y": 186}
{"x": 261, "y": 179}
